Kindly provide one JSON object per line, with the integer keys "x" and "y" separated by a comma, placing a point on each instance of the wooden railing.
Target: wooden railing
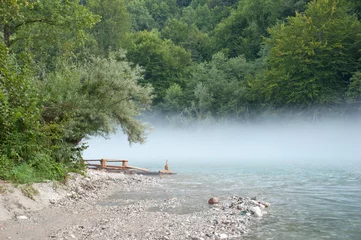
{"x": 103, "y": 164}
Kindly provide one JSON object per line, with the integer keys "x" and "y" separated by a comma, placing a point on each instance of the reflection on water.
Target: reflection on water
{"x": 307, "y": 202}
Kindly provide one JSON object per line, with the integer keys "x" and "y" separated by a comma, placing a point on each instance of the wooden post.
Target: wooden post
{"x": 124, "y": 163}
{"x": 103, "y": 163}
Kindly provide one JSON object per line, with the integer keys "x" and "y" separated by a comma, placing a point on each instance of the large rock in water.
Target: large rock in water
{"x": 213, "y": 200}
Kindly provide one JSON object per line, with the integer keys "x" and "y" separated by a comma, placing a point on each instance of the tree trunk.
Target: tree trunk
{"x": 7, "y": 35}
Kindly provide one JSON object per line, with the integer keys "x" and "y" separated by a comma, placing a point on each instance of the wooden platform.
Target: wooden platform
{"x": 102, "y": 164}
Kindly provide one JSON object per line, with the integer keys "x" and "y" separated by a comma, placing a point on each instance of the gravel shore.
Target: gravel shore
{"x": 74, "y": 211}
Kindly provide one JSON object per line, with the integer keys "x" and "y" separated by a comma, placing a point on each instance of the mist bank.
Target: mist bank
{"x": 263, "y": 143}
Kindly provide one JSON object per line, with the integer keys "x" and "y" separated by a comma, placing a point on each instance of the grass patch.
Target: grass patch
{"x": 29, "y": 191}
{"x": 3, "y": 189}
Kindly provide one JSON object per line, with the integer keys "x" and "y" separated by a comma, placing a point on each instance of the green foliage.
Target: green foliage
{"x": 164, "y": 62}
{"x": 114, "y": 24}
{"x": 18, "y": 108}
{"x": 356, "y": 8}
{"x": 312, "y": 56}
{"x": 22, "y": 173}
{"x": 150, "y": 14}
{"x": 173, "y": 100}
{"x": 46, "y": 28}
{"x": 94, "y": 98}
{"x": 214, "y": 89}
{"x": 183, "y": 3}
{"x": 190, "y": 38}
{"x": 23, "y": 158}
{"x": 6, "y": 165}
{"x": 353, "y": 94}
{"x": 77, "y": 101}
{"x": 202, "y": 103}
{"x": 162, "y": 10}
{"x": 225, "y": 80}
{"x": 290, "y": 7}
{"x": 141, "y": 18}
{"x": 242, "y": 31}
{"x": 203, "y": 19}
{"x": 48, "y": 103}
{"x": 177, "y": 31}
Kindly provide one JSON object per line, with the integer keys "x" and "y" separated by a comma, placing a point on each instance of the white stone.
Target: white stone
{"x": 22, "y": 217}
{"x": 223, "y": 236}
{"x": 197, "y": 238}
{"x": 256, "y": 211}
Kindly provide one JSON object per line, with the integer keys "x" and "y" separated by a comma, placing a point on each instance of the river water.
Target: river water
{"x": 308, "y": 202}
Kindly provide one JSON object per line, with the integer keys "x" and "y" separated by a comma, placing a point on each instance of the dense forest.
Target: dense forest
{"x": 70, "y": 69}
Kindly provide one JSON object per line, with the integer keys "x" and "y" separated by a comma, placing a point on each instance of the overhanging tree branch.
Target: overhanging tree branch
{"x": 34, "y": 21}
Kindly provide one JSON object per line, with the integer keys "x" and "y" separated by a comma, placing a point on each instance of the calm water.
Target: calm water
{"x": 308, "y": 202}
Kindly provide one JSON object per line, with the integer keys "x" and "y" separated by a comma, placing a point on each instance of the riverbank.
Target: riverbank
{"x": 82, "y": 209}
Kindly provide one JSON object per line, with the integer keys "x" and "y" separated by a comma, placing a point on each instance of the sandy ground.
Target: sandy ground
{"x": 73, "y": 211}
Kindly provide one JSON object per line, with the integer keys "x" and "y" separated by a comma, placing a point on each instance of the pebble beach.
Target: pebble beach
{"x": 82, "y": 209}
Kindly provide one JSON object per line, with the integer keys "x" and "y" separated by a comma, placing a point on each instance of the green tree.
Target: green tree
{"x": 203, "y": 19}
{"x": 19, "y": 109}
{"x": 290, "y": 7}
{"x": 141, "y": 18}
{"x": 164, "y": 62}
{"x": 183, "y": 3}
{"x": 353, "y": 94}
{"x": 190, "y": 38}
{"x": 176, "y": 30}
{"x": 174, "y": 100}
{"x": 115, "y": 22}
{"x": 242, "y": 31}
{"x": 202, "y": 103}
{"x": 45, "y": 28}
{"x": 312, "y": 56}
{"x": 96, "y": 98}
{"x": 188, "y": 15}
{"x": 162, "y": 10}
{"x": 356, "y": 8}
{"x": 219, "y": 87}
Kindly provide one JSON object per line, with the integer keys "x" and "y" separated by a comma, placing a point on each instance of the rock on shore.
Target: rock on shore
{"x": 74, "y": 212}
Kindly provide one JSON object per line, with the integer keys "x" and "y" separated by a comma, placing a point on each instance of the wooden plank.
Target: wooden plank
{"x": 109, "y": 160}
{"x": 127, "y": 168}
{"x": 117, "y": 167}
{"x": 113, "y": 160}
{"x": 141, "y": 169}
